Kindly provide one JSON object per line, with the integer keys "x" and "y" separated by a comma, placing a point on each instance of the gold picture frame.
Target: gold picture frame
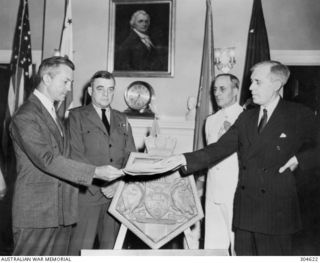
{"x": 127, "y": 55}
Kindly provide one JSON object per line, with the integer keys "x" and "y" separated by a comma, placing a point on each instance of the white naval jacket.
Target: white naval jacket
{"x": 223, "y": 177}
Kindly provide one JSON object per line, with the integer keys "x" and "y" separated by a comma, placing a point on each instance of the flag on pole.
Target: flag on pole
{"x": 257, "y": 49}
{"x": 20, "y": 69}
{"x": 66, "y": 49}
{"x": 206, "y": 79}
{"x": 21, "y": 60}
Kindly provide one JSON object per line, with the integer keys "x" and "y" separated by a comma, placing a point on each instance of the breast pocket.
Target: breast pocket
{"x": 93, "y": 139}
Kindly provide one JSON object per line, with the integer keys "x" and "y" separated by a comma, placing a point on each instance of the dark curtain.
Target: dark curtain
{"x": 257, "y": 49}
{"x": 6, "y": 241}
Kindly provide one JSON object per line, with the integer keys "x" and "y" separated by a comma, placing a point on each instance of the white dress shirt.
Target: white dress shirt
{"x": 98, "y": 110}
{"x": 48, "y": 104}
{"x": 270, "y": 108}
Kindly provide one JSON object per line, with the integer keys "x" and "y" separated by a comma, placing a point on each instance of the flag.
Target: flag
{"x": 257, "y": 49}
{"x": 21, "y": 60}
{"x": 206, "y": 79}
{"x": 66, "y": 49}
{"x": 20, "y": 70}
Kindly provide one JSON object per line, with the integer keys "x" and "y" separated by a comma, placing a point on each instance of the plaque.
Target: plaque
{"x": 156, "y": 208}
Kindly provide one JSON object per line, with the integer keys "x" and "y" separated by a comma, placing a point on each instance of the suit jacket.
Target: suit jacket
{"x": 134, "y": 55}
{"x": 45, "y": 194}
{"x": 222, "y": 178}
{"x": 265, "y": 200}
{"x": 91, "y": 143}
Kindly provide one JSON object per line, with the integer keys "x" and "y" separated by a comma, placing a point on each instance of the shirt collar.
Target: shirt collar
{"x": 47, "y": 103}
{"x": 231, "y": 110}
{"x": 141, "y": 35}
{"x": 270, "y": 107}
{"x": 98, "y": 110}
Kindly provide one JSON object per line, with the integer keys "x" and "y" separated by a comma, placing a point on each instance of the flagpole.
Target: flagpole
{"x": 43, "y": 27}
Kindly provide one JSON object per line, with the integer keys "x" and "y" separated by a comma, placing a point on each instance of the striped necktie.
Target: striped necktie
{"x": 263, "y": 121}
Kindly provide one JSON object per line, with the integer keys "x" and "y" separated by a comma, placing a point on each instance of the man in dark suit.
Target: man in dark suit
{"x": 138, "y": 52}
{"x": 99, "y": 135}
{"x": 271, "y": 142}
{"x": 45, "y": 201}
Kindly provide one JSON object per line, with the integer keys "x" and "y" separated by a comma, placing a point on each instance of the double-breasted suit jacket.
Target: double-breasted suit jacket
{"x": 265, "y": 200}
{"x": 91, "y": 143}
{"x": 45, "y": 193}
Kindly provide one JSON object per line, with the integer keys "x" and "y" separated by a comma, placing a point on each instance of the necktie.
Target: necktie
{"x": 105, "y": 120}
{"x": 263, "y": 121}
{"x": 56, "y": 120}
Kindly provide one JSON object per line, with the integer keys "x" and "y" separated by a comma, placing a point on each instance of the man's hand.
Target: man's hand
{"x": 109, "y": 190}
{"x": 107, "y": 173}
{"x": 174, "y": 161}
{"x": 292, "y": 164}
{"x": 3, "y": 187}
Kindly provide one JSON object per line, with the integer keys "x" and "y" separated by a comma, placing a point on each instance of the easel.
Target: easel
{"x": 161, "y": 146}
{"x": 123, "y": 231}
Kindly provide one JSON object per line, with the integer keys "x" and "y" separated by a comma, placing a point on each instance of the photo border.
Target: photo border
{"x": 112, "y": 38}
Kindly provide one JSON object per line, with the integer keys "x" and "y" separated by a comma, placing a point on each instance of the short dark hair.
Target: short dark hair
{"x": 277, "y": 70}
{"x": 49, "y": 64}
{"x": 102, "y": 74}
{"x": 234, "y": 80}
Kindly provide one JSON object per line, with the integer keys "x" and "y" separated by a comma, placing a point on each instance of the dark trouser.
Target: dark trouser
{"x": 257, "y": 244}
{"x": 94, "y": 220}
{"x": 41, "y": 241}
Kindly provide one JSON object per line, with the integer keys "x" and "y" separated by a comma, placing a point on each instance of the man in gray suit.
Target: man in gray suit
{"x": 45, "y": 201}
{"x": 99, "y": 135}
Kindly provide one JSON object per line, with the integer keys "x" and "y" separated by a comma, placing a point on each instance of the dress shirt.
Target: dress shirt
{"x": 98, "y": 110}
{"x": 48, "y": 104}
{"x": 270, "y": 108}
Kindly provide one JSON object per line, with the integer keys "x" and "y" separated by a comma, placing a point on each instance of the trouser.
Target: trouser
{"x": 218, "y": 224}
{"x": 41, "y": 241}
{"x": 94, "y": 221}
{"x": 258, "y": 244}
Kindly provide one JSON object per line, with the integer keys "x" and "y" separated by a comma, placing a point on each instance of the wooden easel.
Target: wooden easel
{"x": 163, "y": 146}
{"x": 123, "y": 231}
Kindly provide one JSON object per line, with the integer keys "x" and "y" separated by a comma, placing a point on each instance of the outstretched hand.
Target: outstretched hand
{"x": 292, "y": 164}
{"x": 108, "y": 173}
{"x": 174, "y": 161}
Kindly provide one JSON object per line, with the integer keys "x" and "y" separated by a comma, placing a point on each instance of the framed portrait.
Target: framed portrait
{"x": 141, "y": 38}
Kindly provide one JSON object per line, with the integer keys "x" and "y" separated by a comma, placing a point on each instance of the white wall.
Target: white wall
{"x": 291, "y": 25}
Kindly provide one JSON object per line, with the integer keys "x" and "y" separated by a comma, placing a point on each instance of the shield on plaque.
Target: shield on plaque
{"x": 157, "y": 210}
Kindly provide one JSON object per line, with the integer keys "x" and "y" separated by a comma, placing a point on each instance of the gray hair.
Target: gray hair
{"x": 278, "y": 71}
{"x": 233, "y": 79}
{"x": 135, "y": 14}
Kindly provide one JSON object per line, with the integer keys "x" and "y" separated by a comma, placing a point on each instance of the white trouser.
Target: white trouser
{"x": 218, "y": 225}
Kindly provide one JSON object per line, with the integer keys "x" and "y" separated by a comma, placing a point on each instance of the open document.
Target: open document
{"x": 140, "y": 164}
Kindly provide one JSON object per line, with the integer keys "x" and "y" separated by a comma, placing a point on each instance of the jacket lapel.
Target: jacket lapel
{"x": 271, "y": 131}
{"x": 46, "y": 117}
{"x": 94, "y": 118}
{"x": 252, "y": 127}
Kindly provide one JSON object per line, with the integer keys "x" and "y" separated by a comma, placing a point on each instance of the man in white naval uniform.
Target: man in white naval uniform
{"x": 222, "y": 178}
